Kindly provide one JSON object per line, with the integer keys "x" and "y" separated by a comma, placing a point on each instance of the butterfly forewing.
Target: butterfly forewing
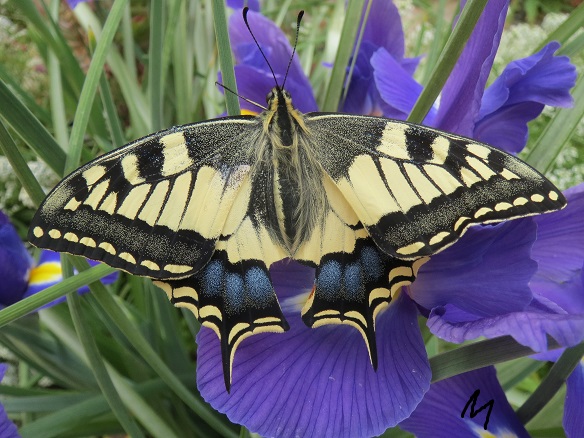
{"x": 416, "y": 189}
{"x": 154, "y": 207}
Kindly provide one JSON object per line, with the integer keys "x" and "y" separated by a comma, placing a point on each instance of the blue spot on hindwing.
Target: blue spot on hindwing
{"x": 353, "y": 279}
{"x": 258, "y": 284}
{"x": 235, "y": 292}
{"x": 328, "y": 281}
{"x": 213, "y": 276}
{"x": 371, "y": 263}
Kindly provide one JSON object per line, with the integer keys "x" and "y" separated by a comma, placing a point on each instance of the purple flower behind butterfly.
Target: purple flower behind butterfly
{"x": 21, "y": 276}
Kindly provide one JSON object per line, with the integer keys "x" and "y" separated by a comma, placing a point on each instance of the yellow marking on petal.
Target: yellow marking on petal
{"x": 127, "y": 257}
{"x": 38, "y": 232}
{"x": 176, "y": 154}
{"x": 88, "y": 241}
{"x": 55, "y": 234}
{"x": 107, "y": 247}
{"x": 246, "y": 112}
{"x": 482, "y": 211}
{"x": 520, "y": 201}
{"x": 537, "y": 197}
{"x": 71, "y": 237}
{"x": 48, "y": 272}
{"x": 411, "y": 248}
{"x": 150, "y": 265}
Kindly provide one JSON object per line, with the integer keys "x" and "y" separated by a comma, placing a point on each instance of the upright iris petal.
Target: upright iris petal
{"x": 254, "y": 78}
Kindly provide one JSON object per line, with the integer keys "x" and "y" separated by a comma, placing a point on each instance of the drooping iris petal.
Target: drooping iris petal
{"x": 7, "y": 428}
{"x": 318, "y": 382}
{"x": 398, "y": 90}
{"x": 574, "y": 404}
{"x": 383, "y": 33}
{"x": 15, "y": 264}
{"x": 278, "y": 51}
{"x": 486, "y": 273}
{"x": 519, "y": 94}
{"x": 559, "y": 252}
{"x": 530, "y": 327}
{"x": 462, "y": 93}
{"x": 439, "y": 415}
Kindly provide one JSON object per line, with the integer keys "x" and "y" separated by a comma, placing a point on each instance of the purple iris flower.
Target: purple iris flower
{"x": 21, "y": 277}
{"x": 498, "y": 115}
{"x": 439, "y": 413}
{"x": 254, "y": 79}
{"x": 73, "y": 3}
{"x": 7, "y": 428}
{"x": 319, "y": 382}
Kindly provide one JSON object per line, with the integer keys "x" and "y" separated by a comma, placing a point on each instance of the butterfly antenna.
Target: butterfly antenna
{"x": 240, "y": 96}
{"x": 245, "y": 10}
{"x": 298, "y": 20}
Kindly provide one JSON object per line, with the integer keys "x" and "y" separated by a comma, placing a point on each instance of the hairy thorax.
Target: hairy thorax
{"x": 295, "y": 177}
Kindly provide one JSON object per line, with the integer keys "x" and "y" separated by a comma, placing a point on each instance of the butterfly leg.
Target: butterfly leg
{"x": 235, "y": 300}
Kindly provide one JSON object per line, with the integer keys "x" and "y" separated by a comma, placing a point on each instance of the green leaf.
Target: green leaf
{"x": 448, "y": 58}
{"x": 477, "y": 355}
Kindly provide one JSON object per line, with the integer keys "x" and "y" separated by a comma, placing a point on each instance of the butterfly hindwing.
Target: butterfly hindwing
{"x": 353, "y": 287}
{"x": 154, "y": 207}
{"x": 416, "y": 189}
{"x": 236, "y": 300}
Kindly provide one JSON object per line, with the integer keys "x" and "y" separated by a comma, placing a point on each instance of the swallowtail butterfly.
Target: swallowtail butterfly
{"x": 204, "y": 209}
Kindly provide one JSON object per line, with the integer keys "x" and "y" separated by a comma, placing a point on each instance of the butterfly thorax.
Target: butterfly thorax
{"x": 296, "y": 177}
